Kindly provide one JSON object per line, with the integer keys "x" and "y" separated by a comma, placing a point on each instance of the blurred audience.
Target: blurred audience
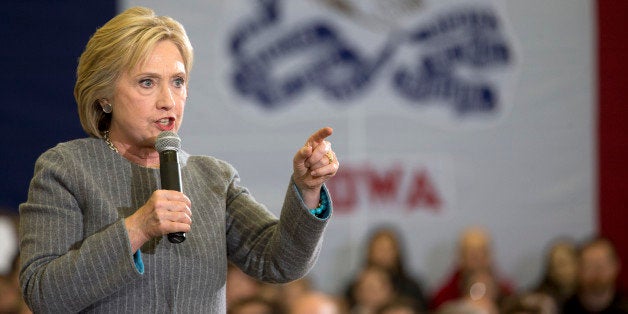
{"x": 290, "y": 292}
{"x": 8, "y": 234}
{"x": 598, "y": 268}
{"x": 399, "y": 305}
{"x": 240, "y": 285}
{"x": 385, "y": 250}
{"x": 479, "y": 293}
{"x": 574, "y": 280}
{"x": 561, "y": 269}
{"x": 11, "y": 301}
{"x": 314, "y": 303}
{"x": 529, "y": 303}
{"x": 475, "y": 254}
{"x": 253, "y": 305}
{"x": 372, "y": 290}
{"x": 245, "y": 295}
{"x": 271, "y": 291}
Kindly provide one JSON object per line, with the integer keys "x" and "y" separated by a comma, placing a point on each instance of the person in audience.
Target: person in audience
{"x": 385, "y": 250}
{"x": 399, "y": 305}
{"x": 372, "y": 290}
{"x": 291, "y": 291}
{"x": 253, "y": 305}
{"x": 313, "y": 302}
{"x": 240, "y": 285}
{"x": 475, "y": 253}
{"x": 8, "y": 234}
{"x": 479, "y": 293}
{"x": 561, "y": 269}
{"x": 529, "y": 303}
{"x": 597, "y": 275}
{"x": 11, "y": 300}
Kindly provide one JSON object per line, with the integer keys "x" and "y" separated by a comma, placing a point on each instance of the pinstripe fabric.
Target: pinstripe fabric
{"x": 76, "y": 255}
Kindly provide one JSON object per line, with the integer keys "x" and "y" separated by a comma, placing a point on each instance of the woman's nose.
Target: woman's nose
{"x": 166, "y": 98}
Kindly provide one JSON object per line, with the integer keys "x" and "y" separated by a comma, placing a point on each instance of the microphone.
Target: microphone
{"x": 168, "y": 144}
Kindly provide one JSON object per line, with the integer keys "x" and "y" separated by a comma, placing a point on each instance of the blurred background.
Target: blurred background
{"x": 503, "y": 116}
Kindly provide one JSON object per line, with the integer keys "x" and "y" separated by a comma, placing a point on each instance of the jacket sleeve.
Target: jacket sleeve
{"x": 63, "y": 271}
{"x": 267, "y": 248}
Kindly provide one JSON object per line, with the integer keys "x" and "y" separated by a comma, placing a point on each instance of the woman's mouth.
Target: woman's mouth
{"x": 165, "y": 124}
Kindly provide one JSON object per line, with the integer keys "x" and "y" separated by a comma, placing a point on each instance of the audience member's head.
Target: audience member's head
{"x": 598, "y": 269}
{"x": 240, "y": 285}
{"x": 270, "y": 291}
{"x": 529, "y": 303}
{"x": 599, "y": 266}
{"x": 253, "y": 305}
{"x": 480, "y": 286}
{"x": 384, "y": 250}
{"x": 9, "y": 295}
{"x": 8, "y": 234}
{"x": 479, "y": 293}
{"x": 372, "y": 289}
{"x": 474, "y": 249}
{"x": 291, "y": 291}
{"x": 398, "y": 306}
{"x": 11, "y": 300}
{"x": 562, "y": 265}
{"x": 314, "y": 303}
{"x": 474, "y": 255}
{"x": 561, "y": 270}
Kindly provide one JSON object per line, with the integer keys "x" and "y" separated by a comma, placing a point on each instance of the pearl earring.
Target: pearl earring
{"x": 107, "y": 108}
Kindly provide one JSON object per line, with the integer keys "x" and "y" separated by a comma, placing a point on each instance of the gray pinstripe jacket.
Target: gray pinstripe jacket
{"x": 76, "y": 255}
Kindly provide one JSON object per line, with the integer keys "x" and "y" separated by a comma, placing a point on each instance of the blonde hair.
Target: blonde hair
{"x": 120, "y": 45}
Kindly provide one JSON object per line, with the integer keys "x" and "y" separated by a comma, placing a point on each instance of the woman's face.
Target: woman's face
{"x": 373, "y": 288}
{"x": 150, "y": 98}
{"x": 563, "y": 265}
{"x": 384, "y": 252}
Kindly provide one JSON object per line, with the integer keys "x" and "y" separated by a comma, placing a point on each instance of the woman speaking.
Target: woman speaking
{"x": 92, "y": 232}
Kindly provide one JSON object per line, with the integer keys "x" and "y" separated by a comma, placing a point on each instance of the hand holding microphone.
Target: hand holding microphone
{"x": 167, "y": 210}
{"x": 168, "y": 145}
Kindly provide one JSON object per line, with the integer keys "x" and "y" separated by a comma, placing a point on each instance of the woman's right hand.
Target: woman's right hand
{"x": 165, "y": 212}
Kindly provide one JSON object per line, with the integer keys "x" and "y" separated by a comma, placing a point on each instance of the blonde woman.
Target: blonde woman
{"x": 93, "y": 225}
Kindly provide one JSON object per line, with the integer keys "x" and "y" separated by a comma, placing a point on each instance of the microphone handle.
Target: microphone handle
{"x": 176, "y": 237}
{"x": 170, "y": 173}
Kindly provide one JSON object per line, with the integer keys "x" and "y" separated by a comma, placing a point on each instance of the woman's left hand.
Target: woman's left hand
{"x": 314, "y": 164}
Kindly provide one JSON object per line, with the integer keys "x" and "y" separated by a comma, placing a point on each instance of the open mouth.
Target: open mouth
{"x": 165, "y": 124}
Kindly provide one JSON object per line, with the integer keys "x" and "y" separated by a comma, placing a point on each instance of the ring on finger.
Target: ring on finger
{"x": 330, "y": 157}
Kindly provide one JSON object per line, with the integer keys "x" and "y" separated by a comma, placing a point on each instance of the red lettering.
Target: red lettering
{"x": 343, "y": 188}
{"x": 384, "y": 187}
{"x": 422, "y": 192}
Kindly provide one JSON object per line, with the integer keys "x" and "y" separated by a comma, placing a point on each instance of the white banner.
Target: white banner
{"x": 445, "y": 114}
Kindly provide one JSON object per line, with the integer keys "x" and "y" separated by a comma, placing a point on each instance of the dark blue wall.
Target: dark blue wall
{"x": 41, "y": 42}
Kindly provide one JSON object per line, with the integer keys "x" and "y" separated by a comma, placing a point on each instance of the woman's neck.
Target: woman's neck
{"x": 145, "y": 156}
{"x": 148, "y": 160}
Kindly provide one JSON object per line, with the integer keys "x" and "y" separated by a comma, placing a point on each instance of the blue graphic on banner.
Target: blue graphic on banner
{"x": 468, "y": 37}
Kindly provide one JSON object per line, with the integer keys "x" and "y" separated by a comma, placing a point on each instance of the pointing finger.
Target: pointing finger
{"x": 303, "y": 153}
{"x": 319, "y": 136}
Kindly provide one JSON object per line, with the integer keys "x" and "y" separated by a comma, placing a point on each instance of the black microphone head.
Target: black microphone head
{"x": 167, "y": 140}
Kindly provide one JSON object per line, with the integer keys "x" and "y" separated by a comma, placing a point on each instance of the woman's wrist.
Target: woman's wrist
{"x": 136, "y": 237}
{"x": 312, "y": 197}
{"x": 323, "y": 205}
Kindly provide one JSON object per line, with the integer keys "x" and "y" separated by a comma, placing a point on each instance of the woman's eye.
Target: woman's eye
{"x": 147, "y": 83}
{"x": 179, "y": 82}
